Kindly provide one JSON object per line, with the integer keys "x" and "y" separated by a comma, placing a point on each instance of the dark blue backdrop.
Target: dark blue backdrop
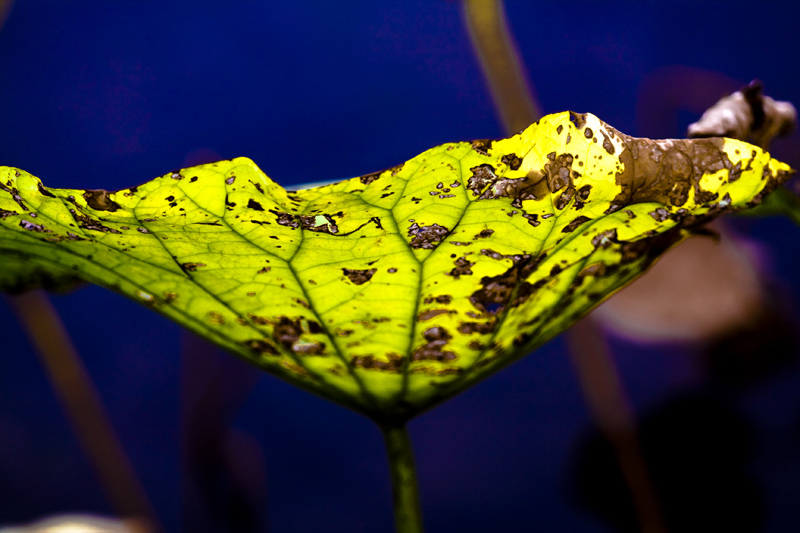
{"x": 110, "y": 94}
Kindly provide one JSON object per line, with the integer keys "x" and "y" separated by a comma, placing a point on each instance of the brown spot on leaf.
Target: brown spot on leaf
{"x": 579, "y": 119}
{"x": 512, "y": 161}
{"x": 252, "y": 204}
{"x": 484, "y": 234}
{"x": 558, "y": 171}
{"x": 369, "y": 362}
{"x": 564, "y": 198}
{"x": 191, "y": 267}
{"x": 575, "y": 224}
{"x": 604, "y": 239}
{"x": 285, "y": 219}
{"x": 261, "y": 346}
{"x": 369, "y": 178}
{"x": 735, "y": 172}
{"x": 86, "y": 222}
{"x": 496, "y": 291}
{"x": 484, "y": 328}
{"x": 311, "y": 223}
{"x": 14, "y": 194}
{"x": 462, "y": 268}
{"x": 482, "y": 175}
{"x": 516, "y": 258}
{"x": 43, "y": 191}
{"x": 30, "y": 226}
{"x": 99, "y": 199}
{"x": 432, "y": 313}
{"x": 426, "y": 237}
{"x": 608, "y": 146}
{"x": 532, "y": 219}
{"x": 437, "y": 338}
{"x": 359, "y": 277}
{"x": 288, "y": 332}
{"x": 660, "y": 214}
{"x": 443, "y": 299}
{"x": 595, "y": 269}
{"x": 482, "y": 146}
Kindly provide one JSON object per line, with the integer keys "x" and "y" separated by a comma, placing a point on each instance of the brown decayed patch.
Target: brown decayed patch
{"x": 310, "y": 222}
{"x": 191, "y": 267}
{"x": 482, "y": 146}
{"x": 579, "y": 119}
{"x": 368, "y": 362}
{"x": 369, "y": 178}
{"x": 604, "y": 239}
{"x": 43, "y": 191}
{"x": 359, "y": 277}
{"x": 86, "y": 222}
{"x": 426, "y": 237}
{"x": 428, "y": 314}
{"x": 288, "y": 332}
{"x": 436, "y": 338}
{"x": 462, "y": 268}
{"x": 665, "y": 171}
{"x": 575, "y": 224}
{"x": 285, "y": 219}
{"x": 496, "y": 291}
{"x": 512, "y": 161}
{"x": 482, "y": 175}
{"x": 608, "y": 146}
{"x": 533, "y": 219}
{"x": 252, "y": 204}
{"x": 27, "y": 225}
{"x": 442, "y": 299}
{"x": 516, "y": 258}
{"x": 484, "y": 328}
{"x": 14, "y": 194}
{"x": 557, "y": 175}
{"x": 261, "y": 346}
{"x": 99, "y": 199}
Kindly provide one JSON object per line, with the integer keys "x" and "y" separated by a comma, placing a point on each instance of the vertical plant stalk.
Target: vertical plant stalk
{"x": 407, "y": 512}
{"x": 494, "y": 44}
{"x": 611, "y": 412}
{"x": 84, "y": 409}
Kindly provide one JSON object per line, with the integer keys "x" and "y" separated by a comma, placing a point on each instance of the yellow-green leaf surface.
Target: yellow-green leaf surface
{"x": 390, "y": 292}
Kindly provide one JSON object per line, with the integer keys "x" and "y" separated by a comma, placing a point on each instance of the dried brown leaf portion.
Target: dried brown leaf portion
{"x": 746, "y": 115}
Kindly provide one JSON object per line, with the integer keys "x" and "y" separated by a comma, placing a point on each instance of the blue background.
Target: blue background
{"x": 111, "y": 94}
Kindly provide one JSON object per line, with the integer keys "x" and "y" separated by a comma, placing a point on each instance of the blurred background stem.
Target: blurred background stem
{"x": 517, "y": 107}
{"x": 5, "y": 9}
{"x": 84, "y": 409}
{"x": 611, "y": 412}
{"x": 494, "y": 45}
